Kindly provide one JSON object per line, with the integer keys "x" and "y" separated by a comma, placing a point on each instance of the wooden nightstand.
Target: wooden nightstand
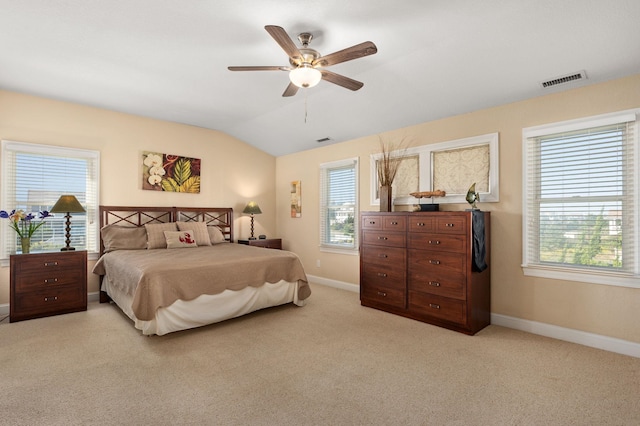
{"x": 272, "y": 243}
{"x": 45, "y": 284}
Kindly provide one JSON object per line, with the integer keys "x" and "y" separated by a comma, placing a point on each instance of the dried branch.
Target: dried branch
{"x": 389, "y": 163}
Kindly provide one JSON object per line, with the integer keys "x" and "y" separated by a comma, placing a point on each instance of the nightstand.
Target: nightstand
{"x": 272, "y": 243}
{"x": 45, "y": 284}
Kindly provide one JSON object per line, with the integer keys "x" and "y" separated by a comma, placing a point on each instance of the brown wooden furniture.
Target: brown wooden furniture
{"x": 45, "y": 284}
{"x": 272, "y": 243}
{"x": 419, "y": 265}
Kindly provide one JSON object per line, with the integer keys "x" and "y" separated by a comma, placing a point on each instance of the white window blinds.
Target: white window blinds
{"x": 581, "y": 209}
{"x": 338, "y": 204}
{"x": 33, "y": 178}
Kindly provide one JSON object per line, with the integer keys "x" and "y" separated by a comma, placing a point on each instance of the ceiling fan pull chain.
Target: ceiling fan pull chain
{"x": 305, "y": 106}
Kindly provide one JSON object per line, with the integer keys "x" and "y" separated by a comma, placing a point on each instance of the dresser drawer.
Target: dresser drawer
{"x": 384, "y": 256}
{"x": 388, "y": 296}
{"x": 385, "y": 222}
{"x": 451, "y": 225}
{"x": 384, "y": 238}
{"x": 49, "y": 263}
{"x": 379, "y": 275}
{"x": 372, "y": 222}
{"x": 421, "y": 223}
{"x": 51, "y": 300}
{"x": 450, "y": 243}
{"x": 446, "y": 285}
{"x": 443, "y": 308}
{"x": 429, "y": 262}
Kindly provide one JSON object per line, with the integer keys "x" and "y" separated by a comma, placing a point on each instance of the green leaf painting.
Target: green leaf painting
{"x": 172, "y": 173}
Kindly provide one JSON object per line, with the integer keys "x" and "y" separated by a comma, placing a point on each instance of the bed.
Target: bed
{"x": 173, "y": 268}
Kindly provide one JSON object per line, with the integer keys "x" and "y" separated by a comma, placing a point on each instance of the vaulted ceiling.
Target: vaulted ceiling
{"x": 168, "y": 59}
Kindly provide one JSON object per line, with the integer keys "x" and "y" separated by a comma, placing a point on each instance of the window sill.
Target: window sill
{"x": 340, "y": 250}
{"x": 592, "y": 277}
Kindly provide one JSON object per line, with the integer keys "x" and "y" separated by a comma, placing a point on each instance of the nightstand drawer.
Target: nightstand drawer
{"x": 48, "y": 278}
{"x": 62, "y": 299}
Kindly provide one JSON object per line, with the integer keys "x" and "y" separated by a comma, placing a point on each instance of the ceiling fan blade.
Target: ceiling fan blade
{"x": 341, "y": 80}
{"x": 354, "y": 52}
{"x": 283, "y": 39}
{"x": 291, "y": 90}
{"x": 259, "y": 68}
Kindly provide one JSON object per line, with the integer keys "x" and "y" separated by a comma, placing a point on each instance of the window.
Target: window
{"x": 451, "y": 166}
{"x": 580, "y": 216}
{"x": 338, "y": 205}
{"x": 33, "y": 178}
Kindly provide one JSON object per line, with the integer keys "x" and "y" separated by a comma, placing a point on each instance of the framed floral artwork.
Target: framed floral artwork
{"x": 168, "y": 172}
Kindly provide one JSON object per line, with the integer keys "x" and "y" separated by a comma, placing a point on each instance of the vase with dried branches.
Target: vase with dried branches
{"x": 388, "y": 164}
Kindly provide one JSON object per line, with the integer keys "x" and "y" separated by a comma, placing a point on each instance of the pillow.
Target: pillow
{"x": 215, "y": 235}
{"x": 199, "y": 230}
{"x": 116, "y": 237}
{"x": 180, "y": 239}
{"x": 155, "y": 234}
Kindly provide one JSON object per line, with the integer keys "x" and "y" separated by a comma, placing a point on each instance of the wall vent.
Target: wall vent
{"x": 564, "y": 79}
{"x": 327, "y": 139}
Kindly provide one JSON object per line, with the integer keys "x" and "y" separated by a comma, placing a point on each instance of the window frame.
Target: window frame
{"x": 576, "y": 273}
{"x": 426, "y": 170}
{"x": 324, "y": 169}
{"x": 9, "y": 149}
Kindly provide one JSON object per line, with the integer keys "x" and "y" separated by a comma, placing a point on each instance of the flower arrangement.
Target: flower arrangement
{"x": 23, "y": 223}
{"x": 389, "y": 163}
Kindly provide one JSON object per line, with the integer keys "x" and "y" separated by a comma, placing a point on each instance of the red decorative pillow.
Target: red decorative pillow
{"x": 180, "y": 239}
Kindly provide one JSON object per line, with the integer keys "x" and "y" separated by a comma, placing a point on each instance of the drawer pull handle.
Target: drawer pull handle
{"x": 436, "y": 242}
{"x": 434, "y": 262}
{"x": 372, "y": 222}
{"x": 420, "y": 224}
{"x": 51, "y": 299}
{"x": 382, "y": 238}
{"x": 50, "y": 280}
{"x": 394, "y": 223}
{"x": 382, "y": 274}
{"x": 434, "y": 283}
{"x": 449, "y": 225}
{"x": 51, "y": 263}
{"x": 382, "y": 255}
{"x": 381, "y": 293}
{"x": 434, "y": 306}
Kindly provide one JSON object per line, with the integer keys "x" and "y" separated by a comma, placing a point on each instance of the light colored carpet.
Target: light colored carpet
{"x": 331, "y": 362}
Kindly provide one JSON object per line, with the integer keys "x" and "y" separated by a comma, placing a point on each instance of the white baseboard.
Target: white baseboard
{"x": 606, "y": 343}
{"x": 598, "y": 341}
{"x": 333, "y": 283}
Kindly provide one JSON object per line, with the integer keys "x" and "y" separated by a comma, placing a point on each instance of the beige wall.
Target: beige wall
{"x": 601, "y": 309}
{"x": 232, "y": 171}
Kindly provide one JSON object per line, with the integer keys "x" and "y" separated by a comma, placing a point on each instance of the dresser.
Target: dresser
{"x": 45, "y": 284}
{"x": 420, "y": 265}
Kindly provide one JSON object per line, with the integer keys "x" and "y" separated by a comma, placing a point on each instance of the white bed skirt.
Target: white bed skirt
{"x": 207, "y": 309}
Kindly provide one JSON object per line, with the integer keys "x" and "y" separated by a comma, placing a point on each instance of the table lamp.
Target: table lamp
{"x": 252, "y": 208}
{"x": 67, "y": 204}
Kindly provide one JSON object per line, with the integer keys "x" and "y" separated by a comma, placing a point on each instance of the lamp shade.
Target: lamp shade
{"x": 305, "y": 76}
{"x": 67, "y": 204}
{"x": 252, "y": 208}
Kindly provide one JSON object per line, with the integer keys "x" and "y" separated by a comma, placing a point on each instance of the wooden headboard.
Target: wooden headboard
{"x": 222, "y": 217}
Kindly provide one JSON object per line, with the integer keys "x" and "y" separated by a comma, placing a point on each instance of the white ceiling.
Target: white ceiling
{"x": 168, "y": 59}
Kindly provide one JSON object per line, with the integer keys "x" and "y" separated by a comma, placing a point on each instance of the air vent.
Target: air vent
{"x": 327, "y": 139}
{"x": 564, "y": 79}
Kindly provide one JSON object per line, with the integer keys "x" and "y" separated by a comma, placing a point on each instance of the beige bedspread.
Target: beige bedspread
{"x": 157, "y": 278}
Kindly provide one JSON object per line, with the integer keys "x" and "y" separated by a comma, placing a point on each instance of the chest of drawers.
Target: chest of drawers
{"x": 45, "y": 284}
{"x": 420, "y": 265}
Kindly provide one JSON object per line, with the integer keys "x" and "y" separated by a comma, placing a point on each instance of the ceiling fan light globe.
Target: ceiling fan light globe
{"x": 305, "y": 76}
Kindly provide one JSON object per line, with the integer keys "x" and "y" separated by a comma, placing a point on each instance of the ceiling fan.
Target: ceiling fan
{"x": 307, "y": 65}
